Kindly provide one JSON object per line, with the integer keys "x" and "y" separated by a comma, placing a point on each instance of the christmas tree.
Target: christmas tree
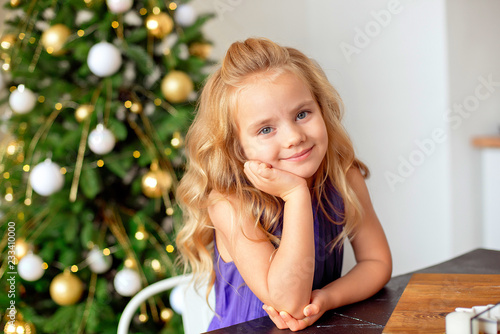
{"x": 97, "y": 96}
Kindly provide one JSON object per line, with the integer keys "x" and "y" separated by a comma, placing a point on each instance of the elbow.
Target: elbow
{"x": 291, "y": 303}
{"x": 387, "y": 271}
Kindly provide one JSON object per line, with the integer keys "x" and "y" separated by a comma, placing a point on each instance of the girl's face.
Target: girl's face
{"x": 280, "y": 123}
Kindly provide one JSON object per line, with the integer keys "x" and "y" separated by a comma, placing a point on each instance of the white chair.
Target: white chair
{"x": 196, "y": 313}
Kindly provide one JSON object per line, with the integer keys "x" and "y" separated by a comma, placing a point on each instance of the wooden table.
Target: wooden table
{"x": 371, "y": 315}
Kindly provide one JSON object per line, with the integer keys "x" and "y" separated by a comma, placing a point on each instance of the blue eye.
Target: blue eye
{"x": 302, "y": 114}
{"x": 265, "y": 131}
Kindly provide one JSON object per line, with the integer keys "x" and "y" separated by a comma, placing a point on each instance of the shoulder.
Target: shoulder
{"x": 218, "y": 203}
{"x": 227, "y": 212}
{"x": 222, "y": 209}
{"x": 354, "y": 175}
{"x": 357, "y": 181}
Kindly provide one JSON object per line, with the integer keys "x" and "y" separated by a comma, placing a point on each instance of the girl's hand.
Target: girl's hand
{"x": 273, "y": 181}
{"x": 312, "y": 312}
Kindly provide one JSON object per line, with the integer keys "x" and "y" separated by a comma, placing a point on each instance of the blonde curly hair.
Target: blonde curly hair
{"x": 215, "y": 158}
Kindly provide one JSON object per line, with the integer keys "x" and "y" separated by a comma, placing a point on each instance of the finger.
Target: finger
{"x": 310, "y": 310}
{"x": 275, "y": 317}
{"x": 258, "y": 173}
{"x": 292, "y": 323}
{"x": 264, "y": 170}
{"x": 252, "y": 177}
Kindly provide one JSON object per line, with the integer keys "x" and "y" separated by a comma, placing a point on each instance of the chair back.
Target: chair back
{"x": 196, "y": 313}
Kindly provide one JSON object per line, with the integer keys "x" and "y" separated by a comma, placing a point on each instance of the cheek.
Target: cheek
{"x": 255, "y": 150}
{"x": 321, "y": 131}
{"x": 248, "y": 148}
{"x": 251, "y": 151}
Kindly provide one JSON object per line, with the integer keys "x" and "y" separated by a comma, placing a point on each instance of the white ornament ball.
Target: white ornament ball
{"x": 104, "y": 59}
{"x": 185, "y": 15}
{"x": 101, "y": 140}
{"x": 98, "y": 262}
{"x": 177, "y": 296}
{"x": 119, "y": 6}
{"x": 127, "y": 282}
{"x": 22, "y": 100}
{"x": 30, "y": 267}
{"x": 46, "y": 178}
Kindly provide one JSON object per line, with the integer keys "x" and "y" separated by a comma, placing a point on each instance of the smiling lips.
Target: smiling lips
{"x": 300, "y": 156}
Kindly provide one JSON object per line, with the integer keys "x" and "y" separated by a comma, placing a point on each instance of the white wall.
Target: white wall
{"x": 398, "y": 90}
{"x": 474, "y": 28}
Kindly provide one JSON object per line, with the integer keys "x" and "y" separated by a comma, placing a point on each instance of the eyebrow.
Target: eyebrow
{"x": 259, "y": 123}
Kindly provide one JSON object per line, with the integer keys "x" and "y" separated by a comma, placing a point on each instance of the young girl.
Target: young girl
{"x": 272, "y": 190}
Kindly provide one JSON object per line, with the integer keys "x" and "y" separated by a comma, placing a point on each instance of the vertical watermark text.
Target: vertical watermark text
{"x": 11, "y": 273}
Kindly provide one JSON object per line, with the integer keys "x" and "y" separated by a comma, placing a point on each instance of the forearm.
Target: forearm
{"x": 291, "y": 272}
{"x": 362, "y": 282}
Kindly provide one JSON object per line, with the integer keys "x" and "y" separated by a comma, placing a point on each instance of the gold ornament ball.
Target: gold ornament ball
{"x": 167, "y": 314}
{"x": 54, "y": 38}
{"x": 201, "y": 50}
{"x": 155, "y": 182}
{"x": 7, "y": 41}
{"x": 159, "y": 25}
{"x": 66, "y": 289}
{"x": 15, "y": 3}
{"x": 22, "y": 248}
{"x": 83, "y": 111}
{"x": 19, "y": 326}
{"x": 136, "y": 107}
{"x": 176, "y": 86}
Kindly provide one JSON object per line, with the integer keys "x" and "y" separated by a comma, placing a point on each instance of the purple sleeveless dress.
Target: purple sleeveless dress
{"x": 236, "y": 303}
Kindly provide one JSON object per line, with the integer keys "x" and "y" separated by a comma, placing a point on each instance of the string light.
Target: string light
{"x": 172, "y": 6}
{"x": 139, "y": 235}
{"x": 74, "y": 268}
{"x": 11, "y": 148}
{"x": 156, "y": 265}
{"x": 176, "y": 139}
{"x": 166, "y": 314}
{"x": 169, "y": 249}
{"x": 100, "y": 163}
{"x": 26, "y": 168}
{"x": 136, "y": 154}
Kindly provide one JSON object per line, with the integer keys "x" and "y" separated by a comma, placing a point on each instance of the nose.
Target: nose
{"x": 293, "y": 136}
